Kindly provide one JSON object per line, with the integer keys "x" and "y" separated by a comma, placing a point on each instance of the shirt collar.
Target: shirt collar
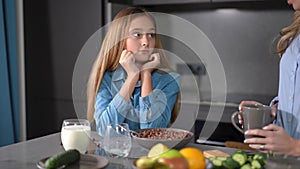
{"x": 120, "y": 74}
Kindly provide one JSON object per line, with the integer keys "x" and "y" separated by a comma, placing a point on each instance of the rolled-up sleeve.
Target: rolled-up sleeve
{"x": 109, "y": 109}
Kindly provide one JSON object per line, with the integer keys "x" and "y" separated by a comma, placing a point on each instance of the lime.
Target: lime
{"x": 157, "y": 149}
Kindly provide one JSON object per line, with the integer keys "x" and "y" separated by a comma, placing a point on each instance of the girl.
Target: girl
{"x": 131, "y": 80}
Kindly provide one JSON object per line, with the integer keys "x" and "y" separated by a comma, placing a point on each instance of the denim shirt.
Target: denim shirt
{"x": 150, "y": 111}
{"x": 288, "y": 115}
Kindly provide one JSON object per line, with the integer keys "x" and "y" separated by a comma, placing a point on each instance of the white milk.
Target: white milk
{"x": 76, "y": 137}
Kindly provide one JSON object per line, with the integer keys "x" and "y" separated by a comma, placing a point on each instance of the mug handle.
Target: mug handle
{"x": 233, "y": 122}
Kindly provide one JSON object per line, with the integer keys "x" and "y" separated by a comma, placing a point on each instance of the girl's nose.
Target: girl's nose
{"x": 144, "y": 41}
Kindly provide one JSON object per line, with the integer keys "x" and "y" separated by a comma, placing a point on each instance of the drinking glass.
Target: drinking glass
{"x": 117, "y": 140}
{"x": 75, "y": 134}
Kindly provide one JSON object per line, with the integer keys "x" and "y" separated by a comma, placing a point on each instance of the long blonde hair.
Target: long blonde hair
{"x": 288, "y": 34}
{"x": 113, "y": 45}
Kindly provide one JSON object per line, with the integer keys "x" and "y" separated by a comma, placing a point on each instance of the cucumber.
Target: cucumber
{"x": 221, "y": 158}
{"x": 241, "y": 158}
{"x": 261, "y": 158}
{"x": 217, "y": 163}
{"x": 256, "y": 164}
{"x": 246, "y": 166}
{"x": 229, "y": 163}
{"x": 65, "y": 158}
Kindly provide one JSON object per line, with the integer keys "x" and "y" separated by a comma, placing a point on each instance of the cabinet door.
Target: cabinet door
{"x": 158, "y": 2}
{"x": 239, "y": 0}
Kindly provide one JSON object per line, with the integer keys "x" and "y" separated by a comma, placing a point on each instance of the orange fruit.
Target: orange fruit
{"x": 194, "y": 157}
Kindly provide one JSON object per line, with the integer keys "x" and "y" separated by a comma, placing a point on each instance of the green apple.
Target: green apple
{"x": 171, "y": 153}
{"x": 145, "y": 163}
{"x": 171, "y": 163}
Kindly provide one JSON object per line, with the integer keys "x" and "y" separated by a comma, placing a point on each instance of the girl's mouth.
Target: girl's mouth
{"x": 144, "y": 51}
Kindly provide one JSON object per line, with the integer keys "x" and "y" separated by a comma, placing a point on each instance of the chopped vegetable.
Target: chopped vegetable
{"x": 240, "y": 160}
{"x": 246, "y": 166}
{"x": 240, "y": 157}
{"x": 229, "y": 163}
{"x": 216, "y": 162}
{"x": 61, "y": 159}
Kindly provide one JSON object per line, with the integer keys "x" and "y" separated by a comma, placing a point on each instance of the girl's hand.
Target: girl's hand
{"x": 276, "y": 140}
{"x": 127, "y": 61}
{"x": 154, "y": 62}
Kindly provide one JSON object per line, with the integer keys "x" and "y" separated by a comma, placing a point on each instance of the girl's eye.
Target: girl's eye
{"x": 137, "y": 35}
{"x": 151, "y": 35}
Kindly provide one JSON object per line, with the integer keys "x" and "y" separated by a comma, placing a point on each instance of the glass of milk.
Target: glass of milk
{"x": 75, "y": 134}
{"x": 117, "y": 140}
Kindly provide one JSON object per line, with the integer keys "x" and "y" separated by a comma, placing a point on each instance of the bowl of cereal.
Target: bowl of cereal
{"x": 171, "y": 137}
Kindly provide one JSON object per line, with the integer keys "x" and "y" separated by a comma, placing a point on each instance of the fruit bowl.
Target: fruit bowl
{"x": 209, "y": 165}
{"x": 171, "y": 137}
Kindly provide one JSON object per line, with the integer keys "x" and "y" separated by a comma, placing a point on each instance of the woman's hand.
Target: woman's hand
{"x": 276, "y": 140}
{"x": 127, "y": 61}
{"x": 154, "y": 62}
{"x": 242, "y": 104}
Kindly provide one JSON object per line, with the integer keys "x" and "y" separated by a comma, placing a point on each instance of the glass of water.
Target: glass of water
{"x": 117, "y": 140}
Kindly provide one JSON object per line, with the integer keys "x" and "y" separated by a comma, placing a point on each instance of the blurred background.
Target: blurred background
{"x": 41, "y": 40}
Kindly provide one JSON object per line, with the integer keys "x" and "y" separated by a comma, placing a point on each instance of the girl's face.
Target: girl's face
{"x": 295, "y": 3}
{"x": 141, "y": 39}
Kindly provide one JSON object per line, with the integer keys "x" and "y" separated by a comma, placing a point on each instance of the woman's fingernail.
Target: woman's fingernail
{"x": 251, "y": 145}
{"x": 246, "y": 132}
{"x": 246, "y": 141}
{"x": 265, "y": 128}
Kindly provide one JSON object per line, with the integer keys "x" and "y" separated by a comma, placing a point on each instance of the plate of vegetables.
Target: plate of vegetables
{"x": 72, "y": 159}
{"x": 240, "y": 160}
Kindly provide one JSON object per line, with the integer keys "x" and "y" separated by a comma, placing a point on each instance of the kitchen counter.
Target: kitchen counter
{"x": 26, "y": 154}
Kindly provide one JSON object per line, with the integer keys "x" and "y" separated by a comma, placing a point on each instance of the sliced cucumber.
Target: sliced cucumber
{"x": 221, "y": 158}
{"x": 261, "y": 158}
{"x": 217, "y": 163}
{"x": 65, "y": 158}
{"x": 229, "y": 163}
{"x": 246, "y": 166}
{"x": 256, "y": 164}
{"x": 241, "y": 158}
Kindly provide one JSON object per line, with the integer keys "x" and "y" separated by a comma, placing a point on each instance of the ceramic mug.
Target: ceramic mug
{"x": 255, "y": 116}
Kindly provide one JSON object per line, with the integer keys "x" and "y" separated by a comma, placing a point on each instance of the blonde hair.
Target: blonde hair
{"x": 110, "y": 52}
{"x": 288, "y": 34}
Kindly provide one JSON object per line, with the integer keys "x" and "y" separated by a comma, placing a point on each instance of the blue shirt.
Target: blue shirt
{"x": 111, "y": 108}
{"x": 289, "y": 90}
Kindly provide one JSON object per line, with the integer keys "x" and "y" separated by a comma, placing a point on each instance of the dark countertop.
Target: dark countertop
{"x": 26, "y": 154}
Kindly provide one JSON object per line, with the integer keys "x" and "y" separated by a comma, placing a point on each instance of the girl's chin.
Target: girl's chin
{"x": 141, "y": 62}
